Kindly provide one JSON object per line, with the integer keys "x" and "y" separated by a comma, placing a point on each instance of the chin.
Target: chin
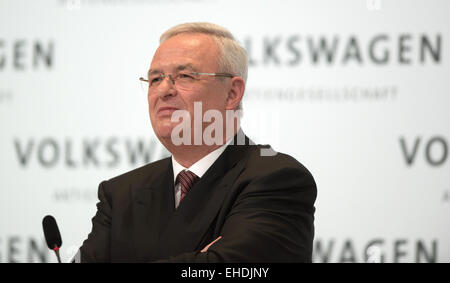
{"x": 163, "y": 130}
{"x": 163, "y": 127}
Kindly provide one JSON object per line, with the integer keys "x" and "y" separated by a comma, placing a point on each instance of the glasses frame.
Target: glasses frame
{"x": 163, "y": 76}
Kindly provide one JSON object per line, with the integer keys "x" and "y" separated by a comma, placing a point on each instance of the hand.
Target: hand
{"x": 210, "y": 244}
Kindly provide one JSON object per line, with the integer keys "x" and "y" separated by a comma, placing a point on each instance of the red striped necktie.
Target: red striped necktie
{"x": 187, "y": 179}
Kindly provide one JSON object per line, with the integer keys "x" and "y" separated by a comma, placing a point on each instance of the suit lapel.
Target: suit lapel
{"x": 189, "y": 223}
{"x": 153, "y": 204}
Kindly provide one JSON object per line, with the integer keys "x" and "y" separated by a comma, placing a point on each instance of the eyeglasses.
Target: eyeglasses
{"x": 183, "y": 80}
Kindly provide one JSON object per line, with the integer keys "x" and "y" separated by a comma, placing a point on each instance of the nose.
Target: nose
{"x": 170, "y": 79}
{"x": 167, "y": 87}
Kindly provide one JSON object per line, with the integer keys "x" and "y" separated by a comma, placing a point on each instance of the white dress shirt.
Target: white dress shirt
{"x": 198, "y": 168}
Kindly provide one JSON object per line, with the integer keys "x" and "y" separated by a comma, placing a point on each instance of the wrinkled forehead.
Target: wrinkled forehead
{"x": 198, "y": 52}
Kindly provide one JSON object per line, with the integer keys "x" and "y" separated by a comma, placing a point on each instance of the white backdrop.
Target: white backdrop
{"x": 356, "y": 90}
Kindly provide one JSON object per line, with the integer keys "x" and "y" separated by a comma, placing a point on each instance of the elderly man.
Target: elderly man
{"x": 226, "y": 201}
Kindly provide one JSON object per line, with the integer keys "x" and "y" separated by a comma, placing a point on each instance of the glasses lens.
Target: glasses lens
{"x": 185, "y": 80}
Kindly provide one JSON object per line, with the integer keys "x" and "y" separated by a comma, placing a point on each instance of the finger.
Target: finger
{"x": 210, "y": 244}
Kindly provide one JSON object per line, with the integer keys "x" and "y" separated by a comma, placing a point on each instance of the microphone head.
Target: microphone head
{"x": 51, "y": 232}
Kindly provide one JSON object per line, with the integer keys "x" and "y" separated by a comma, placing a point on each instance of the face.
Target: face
{"x": 190, "y": 53}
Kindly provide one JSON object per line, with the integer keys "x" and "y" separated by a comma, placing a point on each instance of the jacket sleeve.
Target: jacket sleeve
{"x": 96, "y": 248}
{"x": 272, "y": 220}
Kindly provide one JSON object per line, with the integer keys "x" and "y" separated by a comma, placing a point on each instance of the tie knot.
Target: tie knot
{"x": 186, "y": 179}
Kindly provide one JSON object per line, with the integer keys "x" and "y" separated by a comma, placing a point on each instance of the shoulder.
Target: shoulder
{"x": 141, "y": 176}
{"x": 274, "y": 182}
{"x": 143, "y": 172}
{"x": 264, "y": 161}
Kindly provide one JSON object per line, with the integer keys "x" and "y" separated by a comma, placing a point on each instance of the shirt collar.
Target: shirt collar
{"x": 200, "y": 167}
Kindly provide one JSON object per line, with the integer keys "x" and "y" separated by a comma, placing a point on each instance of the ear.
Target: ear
{"x": 235, "y": 93}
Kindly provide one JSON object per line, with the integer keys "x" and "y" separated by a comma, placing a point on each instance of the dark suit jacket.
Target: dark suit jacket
{"x": 262, "y": 206}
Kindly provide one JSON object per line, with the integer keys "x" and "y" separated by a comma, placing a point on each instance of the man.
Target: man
{"x": 226, "y": 201}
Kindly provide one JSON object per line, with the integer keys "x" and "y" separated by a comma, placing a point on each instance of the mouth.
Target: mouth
{"x": 165, "y": 111}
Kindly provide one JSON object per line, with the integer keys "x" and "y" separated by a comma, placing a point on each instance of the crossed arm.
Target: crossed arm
{"x": 271, "y": 221}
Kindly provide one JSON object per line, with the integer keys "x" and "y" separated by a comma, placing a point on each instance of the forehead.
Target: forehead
{"x": 199, "y": 51}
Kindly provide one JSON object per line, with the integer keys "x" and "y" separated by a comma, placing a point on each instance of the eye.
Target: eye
{"x": 186, "y": 76}
{"x": 154, "y": 80}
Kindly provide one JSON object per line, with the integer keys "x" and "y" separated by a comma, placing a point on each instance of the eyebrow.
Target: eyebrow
{"x": 178, "y": 68}
{"x": 185, "y": 66}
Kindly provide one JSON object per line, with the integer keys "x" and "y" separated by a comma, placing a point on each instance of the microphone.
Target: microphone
{"x": 52, "y": 235}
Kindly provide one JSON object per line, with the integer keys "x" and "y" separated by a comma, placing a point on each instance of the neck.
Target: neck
{"x": 187, "y": 155}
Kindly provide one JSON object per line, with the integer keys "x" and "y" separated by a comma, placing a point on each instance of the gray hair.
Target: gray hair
{"x": 233, "y": 58}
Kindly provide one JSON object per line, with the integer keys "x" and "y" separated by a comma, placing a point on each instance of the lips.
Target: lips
{"x": 166, "y": 110}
